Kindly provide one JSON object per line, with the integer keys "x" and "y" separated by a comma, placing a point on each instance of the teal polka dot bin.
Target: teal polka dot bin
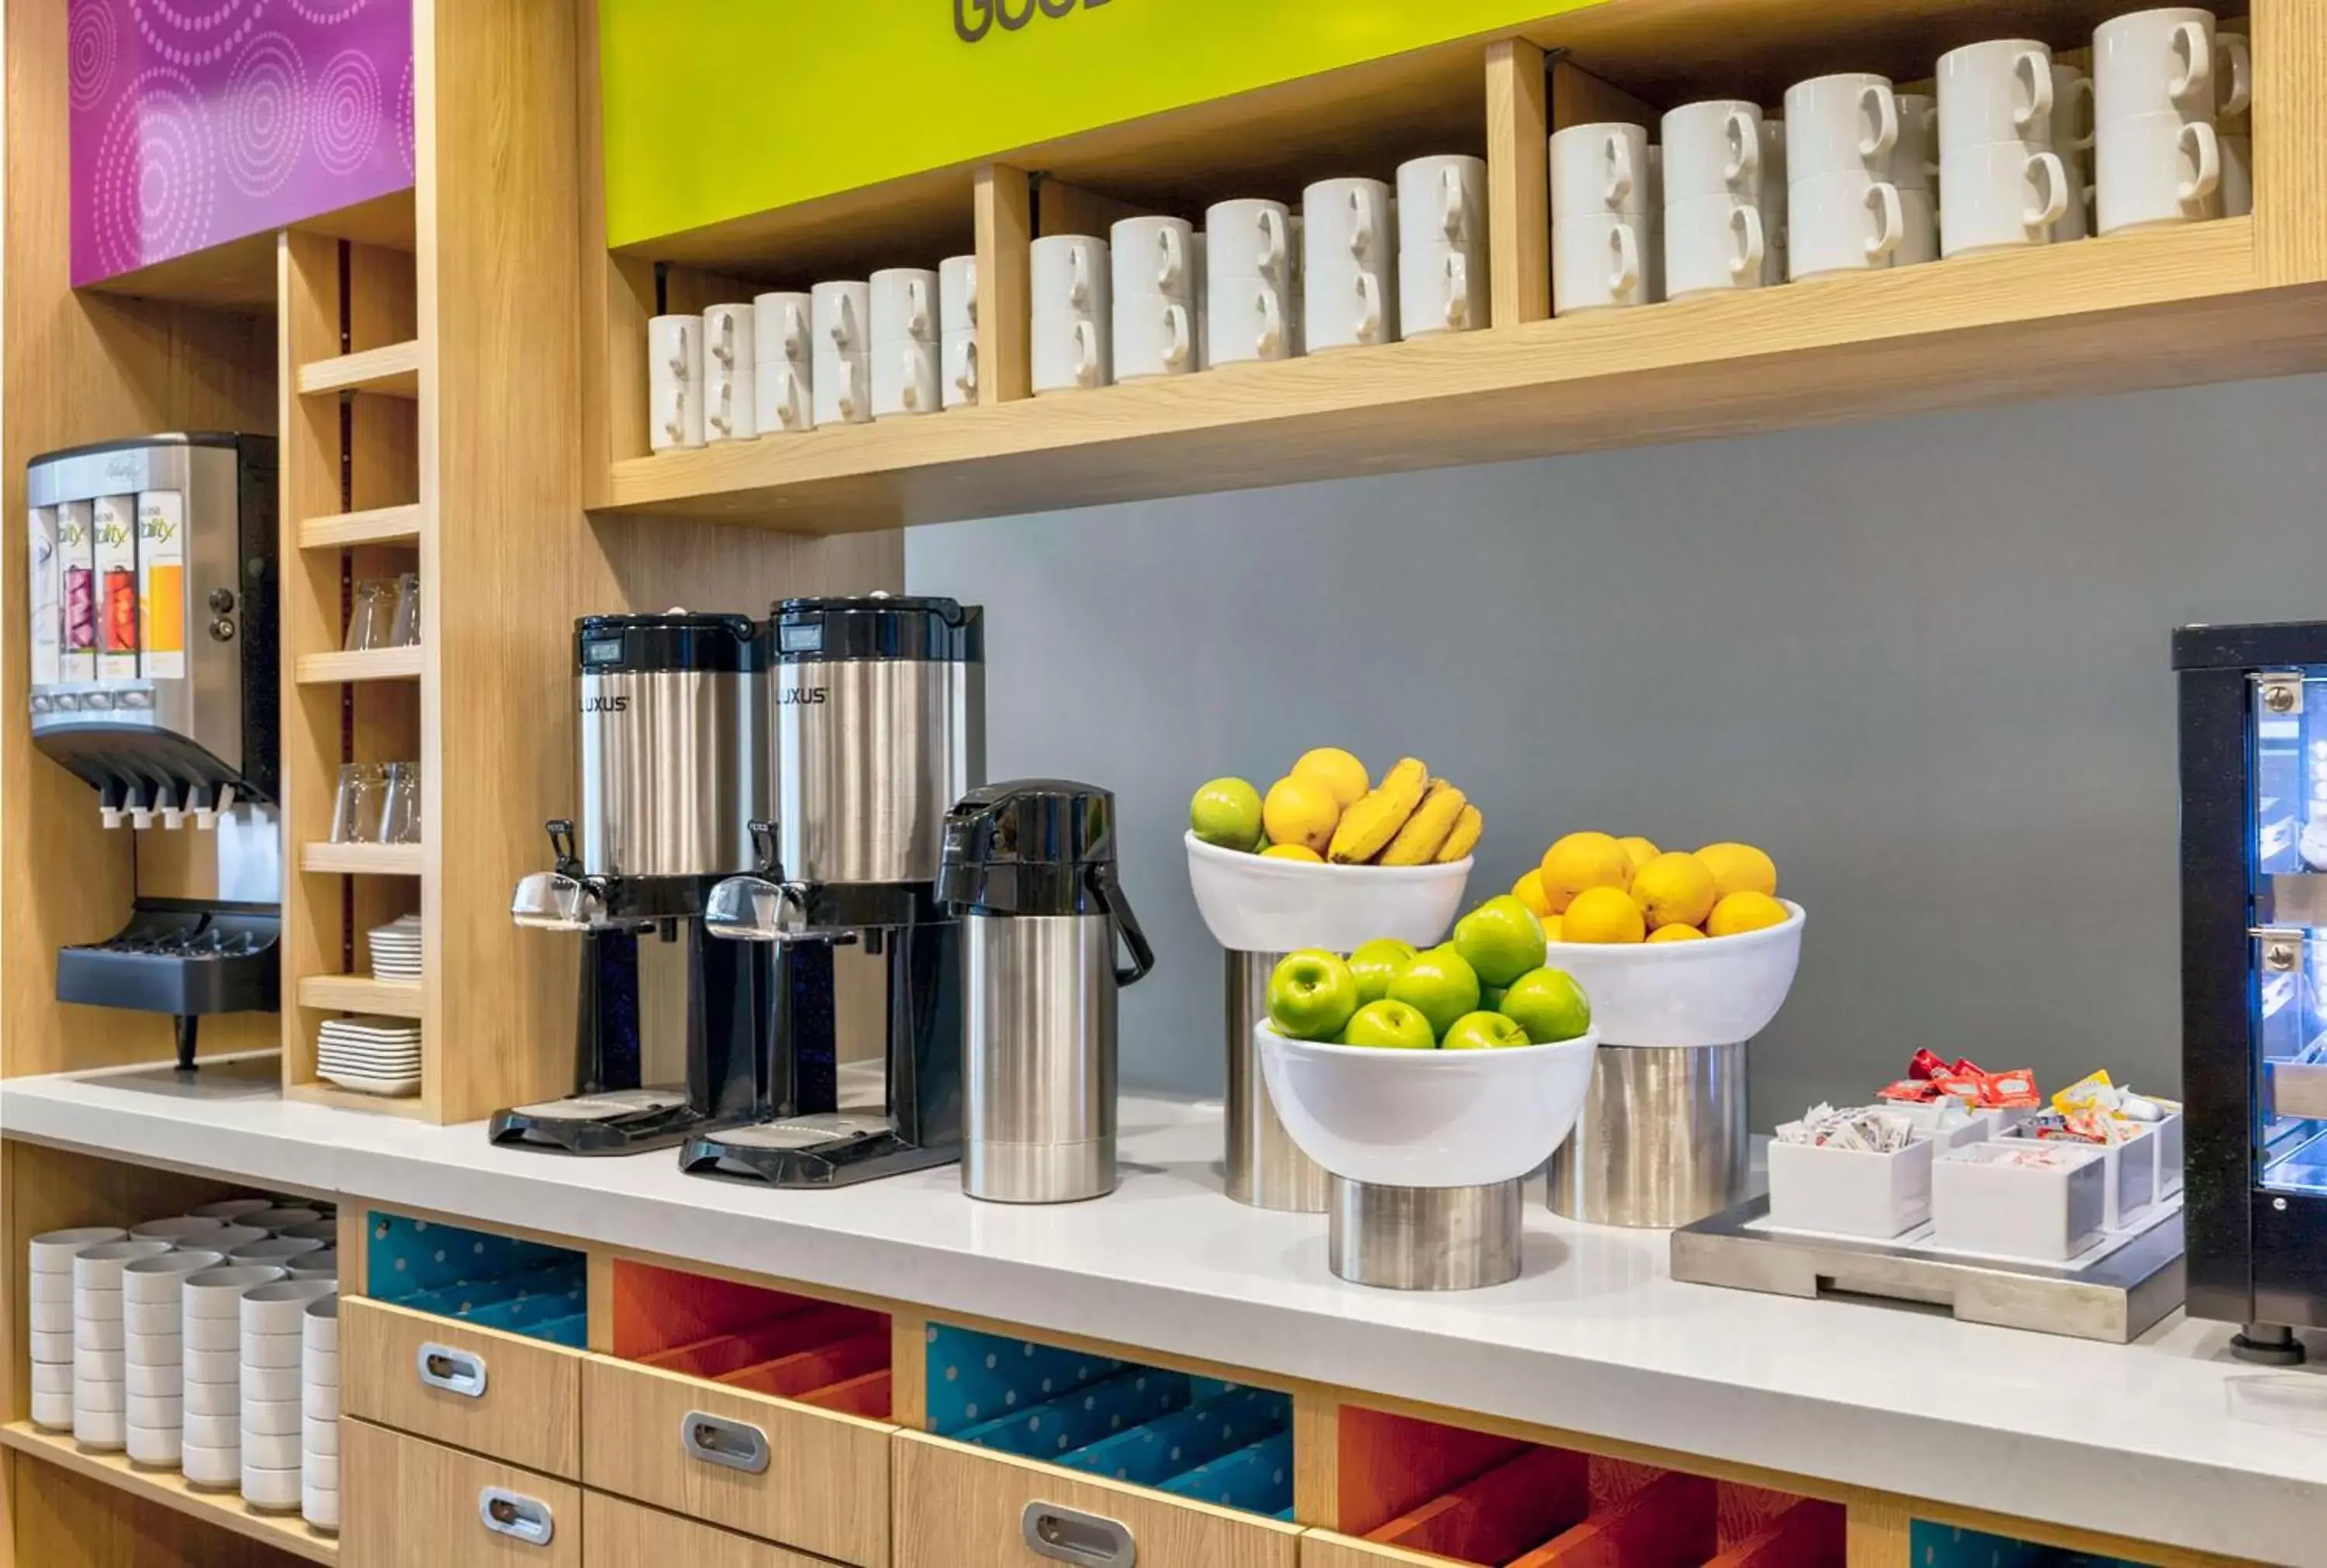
{"x": 495, "y": 1282}
{"x": 1934, "y": 1545}
{"x": 1197, "y": 1437}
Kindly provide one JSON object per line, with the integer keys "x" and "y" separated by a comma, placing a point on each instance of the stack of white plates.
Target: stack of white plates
{"x": 373, "y": 1056}
{"x": 274, "y": 1339}
{"x": 154, "y": 1352}
{"x": 101, "y": 1402}
{"x": 51, "y": 1298}
{"x": 395, "y": 950}
{"x": 210, "y": 1319}
{"x": 319, "y": 1419}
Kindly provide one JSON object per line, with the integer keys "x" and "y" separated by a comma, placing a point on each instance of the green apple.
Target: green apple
{"x": 1502, "y": 939}
{"x": 1441, "y": 984}
{"x": 1549, "y": 1005}
{"x": 1389, "y": 1026}
{"x": 1311, "y": 995}
{"x": 1226, "y": 813}
{"x": 1377, "y": 964}
{"x": 1483, "y": 1032}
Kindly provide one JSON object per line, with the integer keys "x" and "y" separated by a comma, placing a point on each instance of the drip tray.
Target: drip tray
{"x": 2115, "y": 1298}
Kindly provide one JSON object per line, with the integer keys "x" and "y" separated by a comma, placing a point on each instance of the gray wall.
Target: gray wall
{"x": 1923, "y": 662}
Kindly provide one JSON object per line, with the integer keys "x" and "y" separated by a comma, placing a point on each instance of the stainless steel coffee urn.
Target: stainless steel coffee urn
{"x": 1030, "y": 868}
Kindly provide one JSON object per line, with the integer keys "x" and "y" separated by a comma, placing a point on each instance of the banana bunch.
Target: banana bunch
{"x": 1409, "y": 820}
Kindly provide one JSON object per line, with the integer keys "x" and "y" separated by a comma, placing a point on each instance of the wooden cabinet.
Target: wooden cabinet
{"x": 965, "y": 1508}
{"x": 622, "y": 1535}
{"x": 803, "y": 1478}
{"x": 517, "y": 1399}
{"x": 1323, "y": 1549}
{"x": 414, "y": 1504}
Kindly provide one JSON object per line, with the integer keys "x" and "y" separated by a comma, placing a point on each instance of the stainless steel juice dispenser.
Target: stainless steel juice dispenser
{"x": 152, "y": 625}
{"x": 2254, "y": 978}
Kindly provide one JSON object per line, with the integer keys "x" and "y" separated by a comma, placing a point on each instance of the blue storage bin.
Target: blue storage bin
{"x": 1083, "y": 1417}
{"x": 1258, "y": 1478}
{"x": 1153, "y": 1453}
{"x": 571, "y": 1331}
{"x": 493, "y": 1280}
{"x": 975, "y": 1377}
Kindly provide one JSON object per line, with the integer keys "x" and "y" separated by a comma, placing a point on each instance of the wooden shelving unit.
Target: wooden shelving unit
{"x": 363, "y": 860}
{"x": 284, "y": 1532}
{"x": 360, "y": 994}
{"x": 331, "y": 668}
{"x": 391, "y": 370}
{"x": 379, "y": 526}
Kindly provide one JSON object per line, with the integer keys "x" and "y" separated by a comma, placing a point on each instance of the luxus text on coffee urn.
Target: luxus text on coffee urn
{"x": 1030, "y": 869}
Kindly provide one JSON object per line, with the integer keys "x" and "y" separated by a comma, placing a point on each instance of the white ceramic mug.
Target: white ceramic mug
{"x": 903, "y": 355}
{"x": 2155, "y": 63}
{"x": 1249, "y": 319}
{"x": 1915, "y": 160}
{"x": 1599, "y": 262}
{"x": 1997, "y": 91}
{"x": 1713, "y": 245}
{"x": 960, "y": 367}
{"x": 781, "y": 397}
{"x": 1347, "y": 305}
{"x": 839, "y": 321}
{"x": 1713, "y": 149}
{"x": 905, "y": 304}
{"x": 1441, "y": 288}
{"x": 1155, "y": 335}
{"x": 2233, "y": 84}
{"x": 1843, "y": 222}
{"x": 1296, "y": 287}
{"x": 730, "y": 379}
{"x": 1154, "y": 306}
{"x": 2157, "y": 171}
{"x": 1919, "y": 228}
{"x": 2003, "y": 197}
{"x": 1249, "y": 238}
{"x": 1349, "y": 244}
{"x": 674, "y": 382}
{"x": 1842, "y": 123}
{"x": 1653, "y": 221}
{"x": 1071, "y": 284}
{"x": 1599, "y": 169}
{"x": 2072, "y": 110}
{"x": 1774, "y": 182}
{"x": 1442, "y": 201}
{"x": 957, "y": 295}
{"x": 1199, "y": 258}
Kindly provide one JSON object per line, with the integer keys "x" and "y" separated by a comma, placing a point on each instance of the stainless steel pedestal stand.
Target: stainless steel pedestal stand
{"x": 1426, "y": 1238}
{"x": 1265, "y": 1169}
{"x": 1663, "y": 1139}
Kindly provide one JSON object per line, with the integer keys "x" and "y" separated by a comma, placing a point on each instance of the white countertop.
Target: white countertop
{"x": 2165, "y": 1441}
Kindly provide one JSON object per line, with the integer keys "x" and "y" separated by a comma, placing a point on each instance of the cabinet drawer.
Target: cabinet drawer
{"x": 967, "y": 1508}
{"x": 808, "y": 1478}
{"x": 514, "y": 1398}
{"x": 1323, "y": 1549}
{"x": 410, "y": 1502}
{"x": 620, "y": 1535}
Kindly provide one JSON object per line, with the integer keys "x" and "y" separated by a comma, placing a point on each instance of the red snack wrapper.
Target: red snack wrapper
{"x": 1926, "y": 1065}
{"x": 1960, "y": 1086}
{"x": 1913, "y": 1091}
{"x": 1966, "y": 1068}
{"x": 2009, "y": 1091}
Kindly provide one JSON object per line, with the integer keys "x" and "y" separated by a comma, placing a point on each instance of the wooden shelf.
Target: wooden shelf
{"x": 368, "y": 664}
{"x": 362, "y": 859}
{"x": 392, "y": 371}
{"x": 325, "y": 1093}
{"x": 2166, "y": 308}
{"x": 284, "y": 1532}
{"x": 360, "y": 994}
{"x": 379, "y": 526}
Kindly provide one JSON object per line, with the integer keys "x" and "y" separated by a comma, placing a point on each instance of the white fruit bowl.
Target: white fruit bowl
{"x": 1723, "y": 990}
{"x": 1426, "y": 1118}
{"x": 1254, "y": 904}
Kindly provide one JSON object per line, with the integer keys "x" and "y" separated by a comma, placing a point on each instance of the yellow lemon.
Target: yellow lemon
{"x": 1300, "y": 852}
{"x": 1674, "y": 889}
{"x": 1552, "y": 926}
{"x": 1336, "y": 773}
{"x": 1603, "y": 915}
{"x": 1676, "y": 934}
{"x": 1740, "y": 868}
{"x": 1580, "y": 861}
{"x": 1300, "y": 812}
{"x": 1641, "y": 851}
{"x": 1744, "y": 911}
{"x": 1529, "y": 891}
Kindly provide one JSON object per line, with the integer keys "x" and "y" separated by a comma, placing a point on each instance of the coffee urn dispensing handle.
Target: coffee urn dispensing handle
{"x": 1110, "y": 897}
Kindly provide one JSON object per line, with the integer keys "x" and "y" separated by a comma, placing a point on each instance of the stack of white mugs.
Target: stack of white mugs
{"x": 2016, "y": 149}
{"x": 180, "y": 1343}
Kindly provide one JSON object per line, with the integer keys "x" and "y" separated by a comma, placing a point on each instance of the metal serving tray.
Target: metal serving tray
{"x": 2115, "y": 1298}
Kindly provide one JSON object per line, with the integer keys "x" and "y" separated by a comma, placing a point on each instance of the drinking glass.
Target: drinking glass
{"x": 400, "y": 806}
{"x": 355, "y": 812}
{"x": 371, "y": 616}
{"x": 407, "y": 630}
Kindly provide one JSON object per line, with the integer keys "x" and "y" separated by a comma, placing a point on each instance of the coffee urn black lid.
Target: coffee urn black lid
{"x": 877, "y": 626}
{"x": 1030, "y": 847}
{"x": 679, "y": 641}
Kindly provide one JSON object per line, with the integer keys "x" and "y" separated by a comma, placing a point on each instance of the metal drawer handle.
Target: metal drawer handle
{"x": 736, "y": 1444}
{"x": 1072, "y": 1536}
{"x": 454, "y": 1371}
{"x": 508, "y": 1513}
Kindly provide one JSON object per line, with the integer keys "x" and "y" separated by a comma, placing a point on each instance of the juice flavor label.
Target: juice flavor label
{"x": 161, "y": 583}
{"x": 77, "y": 573}
{"x": 116, "y": 587}
{"x": 47, "y": 597}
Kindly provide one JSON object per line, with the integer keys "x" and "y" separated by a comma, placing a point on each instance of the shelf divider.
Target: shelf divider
{"x": 379, "y": 526}
{"x": 363, "y": 859}
{"x": 392, "y": 370}
{"x": 360, "y": 994}
{"x": 365, "y": 664}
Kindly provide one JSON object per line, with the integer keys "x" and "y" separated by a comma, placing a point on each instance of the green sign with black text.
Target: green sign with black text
{"x": 715, "y": 108}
